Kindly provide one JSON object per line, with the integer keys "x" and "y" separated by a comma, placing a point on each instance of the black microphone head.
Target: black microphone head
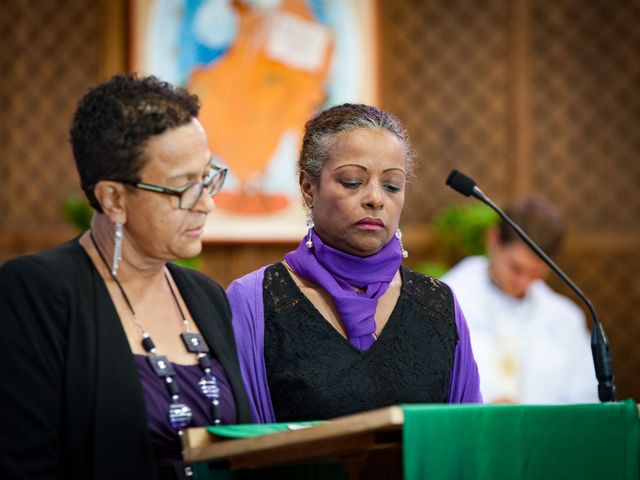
{"x": 461, "y": 183}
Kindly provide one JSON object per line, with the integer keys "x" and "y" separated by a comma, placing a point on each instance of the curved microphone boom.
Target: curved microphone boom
{"x": 599, "y": 341}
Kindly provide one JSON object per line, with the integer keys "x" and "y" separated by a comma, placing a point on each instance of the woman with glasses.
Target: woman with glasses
{"x": 108, "y": 349}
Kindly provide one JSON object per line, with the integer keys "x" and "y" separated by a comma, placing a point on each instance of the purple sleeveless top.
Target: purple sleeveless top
{"x": 164, "y": 439}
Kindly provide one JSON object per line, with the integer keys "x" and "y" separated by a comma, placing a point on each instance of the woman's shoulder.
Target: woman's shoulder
{"x": 418, "y": 281}
{"x": 39, "y": 286}
{"x": 245, "y": 294}
{"x": 51, "y": 266}
{"x": 428, "y": 294}
{"x": 248, "y": 282}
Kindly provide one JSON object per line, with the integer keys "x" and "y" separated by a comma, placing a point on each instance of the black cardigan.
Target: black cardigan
{"x": 71, "y": 403}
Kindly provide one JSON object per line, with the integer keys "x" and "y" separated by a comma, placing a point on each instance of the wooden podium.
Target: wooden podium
{"x": 368, "y": 445}
{"x": 414, "y": 442}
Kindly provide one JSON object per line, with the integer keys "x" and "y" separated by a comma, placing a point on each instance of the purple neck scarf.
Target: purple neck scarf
{"x": 339, "y": 272}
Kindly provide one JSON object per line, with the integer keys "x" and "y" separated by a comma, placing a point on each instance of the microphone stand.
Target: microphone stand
{"x": 599, "y": 340}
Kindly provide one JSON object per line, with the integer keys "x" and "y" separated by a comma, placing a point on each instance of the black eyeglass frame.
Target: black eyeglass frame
{"x": 214, "y": 171}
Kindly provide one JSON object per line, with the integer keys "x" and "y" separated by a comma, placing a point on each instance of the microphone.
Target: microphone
{"x": 599, "y": 341}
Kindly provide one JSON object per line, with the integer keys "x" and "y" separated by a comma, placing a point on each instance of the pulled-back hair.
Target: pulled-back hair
{"x": 115, "y": 119}
{"x": 321, "y": 132}
{"x": 539, "y": 218}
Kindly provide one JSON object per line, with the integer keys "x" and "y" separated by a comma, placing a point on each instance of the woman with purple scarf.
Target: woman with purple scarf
{"x": 340, "y": 326}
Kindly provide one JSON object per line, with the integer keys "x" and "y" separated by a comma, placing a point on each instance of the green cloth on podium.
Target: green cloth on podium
{"x": 254, "y": 430}
{"x": 522, "y": 442}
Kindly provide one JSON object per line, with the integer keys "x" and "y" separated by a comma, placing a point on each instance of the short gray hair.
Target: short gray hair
{"x": 322, "y": 130}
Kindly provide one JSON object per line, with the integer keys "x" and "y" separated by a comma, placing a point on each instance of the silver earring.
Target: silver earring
{"x": 309, "y": 242}
{"x": 405, "y": 254}
{"x": 117, "y": 248}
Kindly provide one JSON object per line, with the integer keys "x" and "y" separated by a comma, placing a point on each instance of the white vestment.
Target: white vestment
{"x": 532, "y": 350}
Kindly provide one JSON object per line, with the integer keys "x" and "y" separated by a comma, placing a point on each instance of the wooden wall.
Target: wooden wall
{"x": 524, "y": 95}
{"x": 532, "y": 96}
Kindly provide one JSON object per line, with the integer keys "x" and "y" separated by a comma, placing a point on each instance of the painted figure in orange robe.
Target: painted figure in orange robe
{"x": 249, "y": 100}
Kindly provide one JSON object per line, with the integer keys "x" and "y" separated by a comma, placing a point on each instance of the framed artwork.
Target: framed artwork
{"x": 261, "y": 69}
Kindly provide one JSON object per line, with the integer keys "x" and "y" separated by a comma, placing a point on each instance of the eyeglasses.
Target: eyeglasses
{"x": 189, "y": 194}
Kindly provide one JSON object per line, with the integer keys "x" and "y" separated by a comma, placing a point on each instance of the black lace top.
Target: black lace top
{"x": 314, "y": 373}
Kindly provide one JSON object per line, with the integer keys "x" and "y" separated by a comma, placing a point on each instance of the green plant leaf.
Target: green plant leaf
{"x": 77, "y": 212}
{"x": 460, "y": 230}
{"x": 194, "y": 263}
{"x": 434, "y": 269}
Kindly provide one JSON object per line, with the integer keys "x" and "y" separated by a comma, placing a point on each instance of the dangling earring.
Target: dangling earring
{"x": 117, "y": 248}
{"x": 309, "y": 243}
{"x": 405, "y": 254}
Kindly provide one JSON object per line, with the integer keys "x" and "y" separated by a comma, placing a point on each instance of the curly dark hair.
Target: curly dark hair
{"x": 115, "y": 119}
{"x": 322, "y": 130}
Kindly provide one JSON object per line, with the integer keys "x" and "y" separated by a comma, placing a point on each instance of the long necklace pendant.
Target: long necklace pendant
{"x": 194, "y": 342}
{"x": 161, "y": 365}
{"x": 179, "y": 415}
{"x": 209, "y": 386}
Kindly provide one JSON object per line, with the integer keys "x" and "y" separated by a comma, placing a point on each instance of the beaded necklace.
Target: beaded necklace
{"x": 179, "y": 413}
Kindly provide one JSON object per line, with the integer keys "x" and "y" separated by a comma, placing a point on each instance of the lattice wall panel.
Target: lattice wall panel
{"x": 448, "y": 70}
{"x": 48, "y": 58}
{"x": 444, "y": 73}
{"x": 609, "y": 279}
{"x": 585, "y": 73}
